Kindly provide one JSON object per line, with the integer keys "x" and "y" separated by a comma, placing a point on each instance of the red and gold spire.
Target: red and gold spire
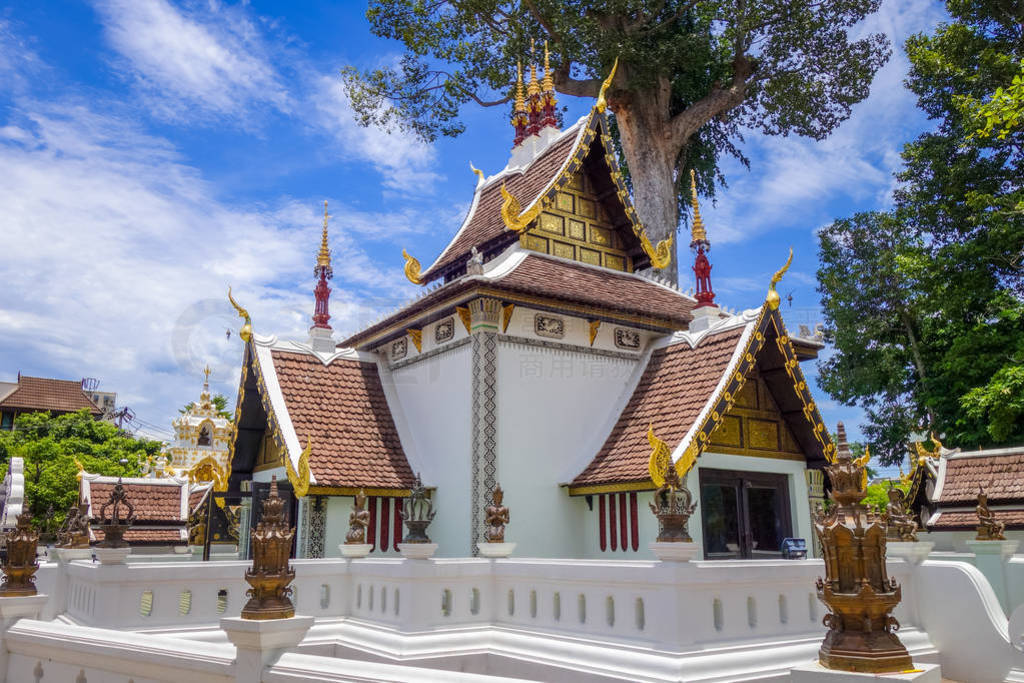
{"x": 323, "y": 272}
{"x": 520, "y": 118}
{"x": 533, "y": 97}
{"x": 699, "y": 243}
{"x": 548, "y": 99}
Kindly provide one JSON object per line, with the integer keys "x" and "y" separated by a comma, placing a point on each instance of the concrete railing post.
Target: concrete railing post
{"x": 260, "y": 643}
{"x": 11, "y": 610}
{"x": 991, "y": 557}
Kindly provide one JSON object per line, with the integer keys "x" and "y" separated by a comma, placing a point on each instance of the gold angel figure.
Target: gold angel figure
{"x": 412, "y": 268}
{"x": 773, "y": 298}
{"x": 299, "y": 480}
{"x": 602, "y": 103}
{"x": 246, "y": 332}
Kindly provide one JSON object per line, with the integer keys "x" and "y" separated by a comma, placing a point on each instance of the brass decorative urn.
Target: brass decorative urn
{"x": 270, "y": 573}
{"x": 857, "y": 590}
{"x": 21, "y": 562}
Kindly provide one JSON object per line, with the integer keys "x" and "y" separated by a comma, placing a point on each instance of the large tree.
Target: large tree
{"x": 924, "y": 302}
{"x": 692, "y": 74}
{"x": 51, "y": 448}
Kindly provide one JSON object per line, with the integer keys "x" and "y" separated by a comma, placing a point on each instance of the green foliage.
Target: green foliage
{"x": 923, "y": 303}
{"x": 878, "y": 494}
{"x": 219, "y": 401}
{"x": 50, "y": 445}
{"x": 1003, "y": 112}
{"x": 693, "y": 71}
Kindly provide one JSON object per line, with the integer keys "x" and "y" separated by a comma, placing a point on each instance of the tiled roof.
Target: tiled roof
{"x": 1001, "y": 475}
{"x": 196, "y": 497}
{"x": 677, "y": 383}
{"x": 342, "y": 407}
{"x": 964, "y": 519}
{"x": 485, "y": 224}
{"x": 147, "y": 536}
{"x": 557, "y": 279}
{"x": 153, "y": 502}
{"x": 41, "y": 393}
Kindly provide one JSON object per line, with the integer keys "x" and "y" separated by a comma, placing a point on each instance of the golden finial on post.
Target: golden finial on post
{"x": 323, "y": 259}
{"x": 520, "y": 98}
{"x": 533, "y": 87}
{"x": 698, "y": 234}
{"x": 548, "y": 84}
{"x": 602, "y": 103}
{"x": 773, "y": 298}
{"x": 246, "y": 332}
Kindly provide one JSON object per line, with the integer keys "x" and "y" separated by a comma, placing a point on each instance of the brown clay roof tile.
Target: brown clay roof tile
{"x": 1001, "y": 476}
{"x": 343, "y": 409}
{"x": 678, "y": 382}
{"x": 153, "y": 502}
{"x": 42, "y": 394}
{"x": 968, "y": 520}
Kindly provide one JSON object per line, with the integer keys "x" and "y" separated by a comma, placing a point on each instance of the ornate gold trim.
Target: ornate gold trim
{"x": 353, "y": 490}
{"x": 246, "y": 332}
{"x": 299, "y": 480}
{"x": 417, "y": 338}
{"x": 466, "y": 317}
{"x": 412, "y": 268}
{"x": 611, "y": 488}
{"x": 773, "y": 299}
{"x": 506, "y": 316}
{"x": 602, "y": 103}
{"x": 478, "y": 172}
{"x": 512, "y": 214}
{"x": 594, "y": 326}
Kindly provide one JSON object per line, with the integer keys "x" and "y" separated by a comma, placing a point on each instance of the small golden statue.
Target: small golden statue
{"x": 115, "y": 526}
{"x": 270, "y": 573}
{"x": 673, "y": 512}
{"x": 900, "y": 526}
{"x": 74, "y": 533}
{"x": 417, "y": 514}
{"x": 989, "y": 528}
{"x": 496, "y": 517}
{"x": 21, "y": 562}
{"x": 358, "y": 521}
{"x": 856, "y": 589}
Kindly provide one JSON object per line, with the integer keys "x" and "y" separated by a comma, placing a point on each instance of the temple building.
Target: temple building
{"x": 43, "y": 394}
{"x": 200, "y": 434}
{"x": 545, "y": 354}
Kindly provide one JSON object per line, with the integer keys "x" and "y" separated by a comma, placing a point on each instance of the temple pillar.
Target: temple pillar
{"x": 484, "y": 317}
{"x": 815, "y": 497}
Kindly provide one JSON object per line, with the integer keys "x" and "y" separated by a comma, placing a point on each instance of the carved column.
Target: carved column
{"x": 815, "y": 497}
{"x": 484, "y": 317}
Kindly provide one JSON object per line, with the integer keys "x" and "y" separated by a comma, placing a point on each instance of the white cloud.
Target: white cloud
{"x": 119, "y": 254}
{"x": 212, "y": 60}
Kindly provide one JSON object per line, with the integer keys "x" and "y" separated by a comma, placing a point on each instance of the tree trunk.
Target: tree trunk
{"x": 651, "y": 156}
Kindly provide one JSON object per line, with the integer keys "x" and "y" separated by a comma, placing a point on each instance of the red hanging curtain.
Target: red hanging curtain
{"x": 613, "y": 528}
{"x": 398, "y": 523}
{"x": 601, "y": 521}
{"x": 634, "y": 521}
{"x": 371, "y": 530}
{"x": 385, "y": 523}
{"x": 623, "y": 522}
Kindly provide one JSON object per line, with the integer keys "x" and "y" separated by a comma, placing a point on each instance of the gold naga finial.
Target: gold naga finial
{"x": 661, "y": 255}
{"x": 246, "y": 332}
{"x": 299, "y": 480}
{"x": 548, "y": 84}
{"x": 602, "y": 103}
{"x": 80, "y": 466}
{"x": 323, "y": 259}
{"x": 661, "y": 458}
{"x": 520, "y": 99}
{"x": 412, "y": 268}
{"x": 511, "y": 212}
{"x": 698, "y": 234}
{"x": 533, "y": 88}
{"x": 773, "y": 298}
{"x": 478, "y": 172}
{"x": 206, "y": 375}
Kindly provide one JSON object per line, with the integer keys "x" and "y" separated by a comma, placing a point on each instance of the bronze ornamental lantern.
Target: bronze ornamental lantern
{"x": 856, "y": 589}
{"x": 270, "y": 573}
{"x": 21, "y": 565}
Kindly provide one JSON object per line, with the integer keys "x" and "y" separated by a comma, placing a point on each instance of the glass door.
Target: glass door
{"x": 745, "y": 514}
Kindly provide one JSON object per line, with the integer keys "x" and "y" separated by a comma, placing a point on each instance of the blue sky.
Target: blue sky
{"x": 153, "y": 152}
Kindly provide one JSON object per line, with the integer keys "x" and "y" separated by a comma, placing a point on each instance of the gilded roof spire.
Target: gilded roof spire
{"x": 520, "y": 100}
{"x": 548, "y": 83}
{"x": 534, "y": 87}
{"x": 699, "y": 234}
{"x": 323, "y": 259}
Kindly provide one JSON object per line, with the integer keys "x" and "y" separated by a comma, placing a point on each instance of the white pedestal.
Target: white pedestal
{"x": 112, "y": 555}
{"x": 495, "y": 549}
{"x": 674, "y": 552}
{"x": 355, "y": 549}
{"x": 816, "y": 673}
{"x": 990, "y": 557}
{"x": 260, "y": 642}
{"x": 65, "y": 555}
{"x": 911, "y": 553}
{"x": 1004, "y": 549}
{"x": 15, "y": 608}
{"x": 417, "y": 551}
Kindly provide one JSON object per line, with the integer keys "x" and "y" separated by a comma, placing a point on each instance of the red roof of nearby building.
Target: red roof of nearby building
{"x": 146, "y": 536}
{"x": 967, "y": 520}
{"x": 677, "y": 384}
{"x": 342, "y": 408}
{"x": 153, "y": 502}
{"x": 999, "y": 472}
{"x": 45, "y": 394}
{"x": 558, "y": 280}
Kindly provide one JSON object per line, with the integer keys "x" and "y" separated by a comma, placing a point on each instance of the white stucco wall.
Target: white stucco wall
{"x": 552, "y": 405}
{"x": 434, "y": 417}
